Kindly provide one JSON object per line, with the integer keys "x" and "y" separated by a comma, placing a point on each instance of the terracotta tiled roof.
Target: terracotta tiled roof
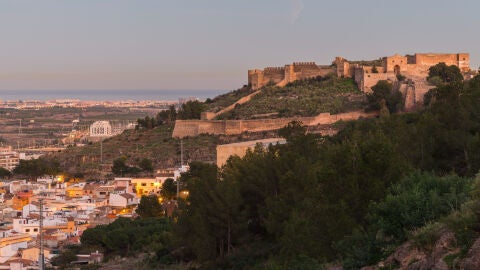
{"x": 25, "y": 262}
{"x": 127, "y": 196}
{"x": 91, "y": 186}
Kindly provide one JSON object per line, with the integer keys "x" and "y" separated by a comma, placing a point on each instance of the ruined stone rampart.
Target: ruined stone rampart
{"x": 305, "y": 69}
{"x": 371, "y": 79}
{"x": 280, "y": 76}
{"x": 273, "y": 74}
{"x": 185, "y": 128}
{"x": 245, "y": 99}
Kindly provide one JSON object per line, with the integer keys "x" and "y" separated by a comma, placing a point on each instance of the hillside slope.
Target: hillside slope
{"x": 95, "y": 159}
{"x": 301, "y": 98}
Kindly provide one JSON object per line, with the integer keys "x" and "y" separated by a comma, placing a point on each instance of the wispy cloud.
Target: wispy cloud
{"x": 297, "y": 8}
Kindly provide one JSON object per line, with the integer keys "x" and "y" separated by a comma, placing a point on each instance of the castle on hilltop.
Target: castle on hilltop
{"x": 408, "y": 75}
{"x": 416, "y": 65}
{"x": 414, "y": 68}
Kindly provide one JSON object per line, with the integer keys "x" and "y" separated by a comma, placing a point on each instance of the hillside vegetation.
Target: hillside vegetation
{"x": 222, "y": 101}
{"x": 153, "y": 140}
{"x": 351, "y": 198}
{"x": 376, "y": 191}
{"x": 155, "y": 144}
{"x": 301, "y": 98}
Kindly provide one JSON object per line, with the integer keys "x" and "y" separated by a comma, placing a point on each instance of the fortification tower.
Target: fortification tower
{"x": 464, "y": 62}
{"x": 255, "y": 78}
{"x": 343, "y": 68}
{"x": 395, "y": 64}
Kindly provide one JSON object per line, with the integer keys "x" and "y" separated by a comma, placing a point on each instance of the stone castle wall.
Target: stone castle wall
{"x": 280, "y": 76}
{"x": 462, "y": 60}
{"x": 273, "y": 74}
{"x": 309, "y": 70}
{"x": 416, "y": 65}
{"x": 185, "y": 128}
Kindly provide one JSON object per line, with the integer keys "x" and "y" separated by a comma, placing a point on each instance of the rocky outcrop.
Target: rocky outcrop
{"x": 444, "y": 255}
{"x": 472, "y": 260}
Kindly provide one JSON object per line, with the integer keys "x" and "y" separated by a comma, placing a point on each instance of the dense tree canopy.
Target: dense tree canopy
{"x": 4, "y": 173}
{"x": 37, "y": 167}
{"x": 166, "y": 117}
{"x": 191, "y": 110}
{"x": 149, "y": 206}
{"x": 352, "y": 197}
{"x": 441, "y": 73}
{"x": 311, "y": 195}
{"x": 125, "y": 236}
{"x": 169, "y": 189}
{"x": 146, "y": 164}
{"x": 385, "y": 97}
{"x": 121, "y": 168}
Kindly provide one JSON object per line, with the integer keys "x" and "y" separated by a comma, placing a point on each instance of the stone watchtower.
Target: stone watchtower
{"x": 396, "y": 64}
{"x": 255, "y": 78}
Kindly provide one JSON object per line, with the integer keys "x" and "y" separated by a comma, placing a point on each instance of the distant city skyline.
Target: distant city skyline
{"x": 210, "y": 44}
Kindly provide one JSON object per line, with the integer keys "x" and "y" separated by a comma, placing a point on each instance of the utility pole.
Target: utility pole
{"x": 181, "y": 167}
{"x": 41, "y": 256}
{"x": 181, "y": 152}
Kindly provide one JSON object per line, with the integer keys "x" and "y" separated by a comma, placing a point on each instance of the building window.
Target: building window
{"x": 35, "y": 230}
{"x": 151, "y": 184}
{"x": 144, "y": 184}
{"x": 27, "y": 230}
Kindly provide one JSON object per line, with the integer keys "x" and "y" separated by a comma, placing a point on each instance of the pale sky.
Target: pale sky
{"x": 210, "y": 44}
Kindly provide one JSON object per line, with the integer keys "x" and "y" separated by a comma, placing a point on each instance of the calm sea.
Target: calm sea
{"x": 113, "y": 95}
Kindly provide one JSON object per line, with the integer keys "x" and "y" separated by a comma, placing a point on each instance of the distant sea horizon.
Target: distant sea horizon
{"x": 107, "y": 95}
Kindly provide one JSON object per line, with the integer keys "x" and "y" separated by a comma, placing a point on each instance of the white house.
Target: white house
{"x": 32, "y": 226}
{"x": 28, "y": 226}
{"x": 11, "y": 242}
{"x": 146, "y": 186}
{"x": 122, "y": 200}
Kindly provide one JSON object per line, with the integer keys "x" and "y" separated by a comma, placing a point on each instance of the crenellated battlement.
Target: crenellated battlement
{"x": 274, "y": 69}
{"x": 280, "y": 76}
{"x": 304, "y": 64}
{"x": 416, "y": 65}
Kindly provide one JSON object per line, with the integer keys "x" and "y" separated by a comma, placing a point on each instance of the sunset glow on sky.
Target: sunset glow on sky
{"x": 210, "y": 44}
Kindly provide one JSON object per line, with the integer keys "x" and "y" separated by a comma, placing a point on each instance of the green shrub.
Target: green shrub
{"x": 450, "y": 260}
{"x": 425, "y": 237}
{"x": 465, "y": 223}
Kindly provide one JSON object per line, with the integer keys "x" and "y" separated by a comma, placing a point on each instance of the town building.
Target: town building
{"x": 9, "y": 159}
{"x": 225, "y": 151}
